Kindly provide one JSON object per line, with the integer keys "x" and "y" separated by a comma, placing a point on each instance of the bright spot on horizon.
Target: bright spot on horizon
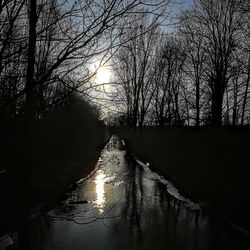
{"x": 103, "y": 75}
{"x": 100, "y": 198}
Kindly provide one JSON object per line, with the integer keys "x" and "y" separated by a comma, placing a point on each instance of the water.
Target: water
{"x": 124, "y": 205}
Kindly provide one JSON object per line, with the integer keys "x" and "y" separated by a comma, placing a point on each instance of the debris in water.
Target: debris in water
{"x": 6, "y": 241}
{"x": 78, "y": 202}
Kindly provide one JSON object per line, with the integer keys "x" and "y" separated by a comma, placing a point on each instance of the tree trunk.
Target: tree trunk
{"x": 235, "y": 106}
{"x": 245, "y": 94}
{"x": 30, "y": 102}
{"x": 197, "y": 104}
{"x": 216, "y": 109}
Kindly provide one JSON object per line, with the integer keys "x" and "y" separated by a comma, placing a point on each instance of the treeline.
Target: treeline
{"x": 47, "y": 46}
{"x": 195, "y": 74}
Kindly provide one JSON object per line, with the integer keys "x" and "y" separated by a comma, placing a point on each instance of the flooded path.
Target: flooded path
{"x": 124, "y": 205}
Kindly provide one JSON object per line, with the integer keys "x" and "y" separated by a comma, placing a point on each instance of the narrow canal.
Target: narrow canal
{"x": 124, "y": 205}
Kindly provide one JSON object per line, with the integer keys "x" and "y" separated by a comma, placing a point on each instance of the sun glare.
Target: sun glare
{"x": 100, "y": 193}
{"x": 103, "y": 75}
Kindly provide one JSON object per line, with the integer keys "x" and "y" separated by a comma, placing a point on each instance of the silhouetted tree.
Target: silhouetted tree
{"x": 133, "y": 69}
{"x": 168, "y": 68}
{"x": 54, "y": 42}
{"x": 219, "y": 22}
{"x": 195, "y": 53}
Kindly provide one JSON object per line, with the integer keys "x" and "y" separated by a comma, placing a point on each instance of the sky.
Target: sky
{"x": 104, "y": 74}
{"x": 188, "y": 3}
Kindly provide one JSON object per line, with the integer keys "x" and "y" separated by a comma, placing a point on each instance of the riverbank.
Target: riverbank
{"x": 40, "y": 166}
{"x": 121, "y": 200}
{"x": 209, "y": 165}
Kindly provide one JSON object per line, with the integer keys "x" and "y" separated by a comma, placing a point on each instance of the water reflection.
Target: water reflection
{"x": 133, "y": 207}
{"x": 100, "y": 192}
{"x": 128, "y": 208}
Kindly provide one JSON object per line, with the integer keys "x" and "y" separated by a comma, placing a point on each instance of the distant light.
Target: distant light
{"x": 147, "y": 164}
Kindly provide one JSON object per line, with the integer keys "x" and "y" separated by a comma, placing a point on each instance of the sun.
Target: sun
{"x": 103, "y": 75}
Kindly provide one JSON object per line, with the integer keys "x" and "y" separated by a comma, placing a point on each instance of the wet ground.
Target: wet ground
{"x": 122, "y": 204}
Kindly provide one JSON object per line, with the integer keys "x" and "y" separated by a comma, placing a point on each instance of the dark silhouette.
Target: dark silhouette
{"x": 197, "y": 74}
{"x": 171, "y": 80}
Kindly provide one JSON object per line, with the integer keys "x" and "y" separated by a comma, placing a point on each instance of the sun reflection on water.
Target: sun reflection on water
{"x": 100, "y": 193}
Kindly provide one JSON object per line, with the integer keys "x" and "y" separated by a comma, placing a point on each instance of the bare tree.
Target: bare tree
{"x": 168, "y": 68}
{"x": 219, "y": 23}
{"x": 133, "y": 69}
{"x": 194, "y": 65}
{"x": 12, "y": 45}
{"x": 84, "y": 29}
{"x": 246, "y": 58}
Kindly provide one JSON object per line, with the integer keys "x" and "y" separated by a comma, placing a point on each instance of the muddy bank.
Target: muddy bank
{"x": 39, "y": 168}
{"x": 209, "y": 165}
{"x": 123, "y": 204}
